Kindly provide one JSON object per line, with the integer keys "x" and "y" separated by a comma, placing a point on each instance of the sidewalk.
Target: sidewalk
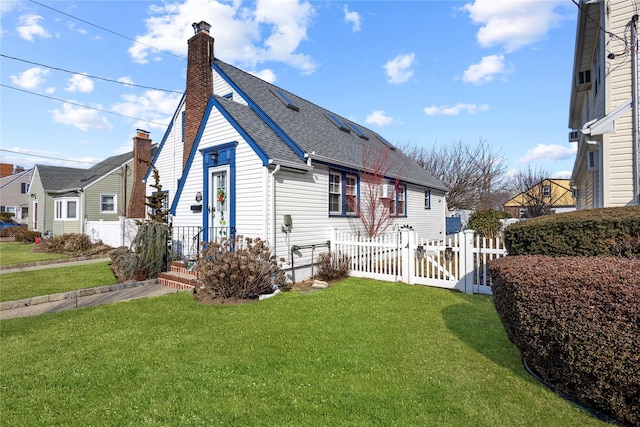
{"x": 80, "y": 298}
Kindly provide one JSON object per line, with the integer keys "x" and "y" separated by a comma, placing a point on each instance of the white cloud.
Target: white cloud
{"x": 399, "y": 68}
{"x": 8, "y": 5}
{"x": 153, "y": 105}
{"x": 237, "y": 30}
{"x": 562, "y": 175}
{"x": 126, "y": 80}
{"x": 29, "y": 27}
{"x": 353, "y": 18}
{"x": 445, "y": 110}
{"x": 513, "y": 24}
{"x": 79, "y": 83}
{"x": 31, "y": 78}
{"x": 549, "y": 153}
{"x": 485, "y": 70}
{"x": 81, "y": 118}
{"x": 378, "y": 117}
{"x": 267, "y": 75}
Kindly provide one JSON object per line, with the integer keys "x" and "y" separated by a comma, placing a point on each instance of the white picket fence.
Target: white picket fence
{"x": 457, "y": 262}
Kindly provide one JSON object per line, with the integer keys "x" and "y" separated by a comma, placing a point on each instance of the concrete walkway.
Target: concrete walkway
{"x": 80, "y": 298}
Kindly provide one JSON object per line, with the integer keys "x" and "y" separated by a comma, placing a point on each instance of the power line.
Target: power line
{"x": 46, "y": 157}
{"x": 82, "y": 105}
{"x": 88, "y": 75}
{"x": 107, "y": 30}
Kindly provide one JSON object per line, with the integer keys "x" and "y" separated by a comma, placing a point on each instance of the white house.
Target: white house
{"x": 603, "y": 115}
{"x": 242, "y": 156}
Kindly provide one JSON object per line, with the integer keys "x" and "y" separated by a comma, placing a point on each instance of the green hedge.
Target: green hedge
{"x": 576, "y": 322}
{"x": 593, "y": 232}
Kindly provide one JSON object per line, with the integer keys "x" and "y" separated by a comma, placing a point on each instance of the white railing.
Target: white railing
{"x": 457, "y": 262}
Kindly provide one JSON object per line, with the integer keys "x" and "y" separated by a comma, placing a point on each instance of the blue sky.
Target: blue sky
{"x": 420, "y": 73}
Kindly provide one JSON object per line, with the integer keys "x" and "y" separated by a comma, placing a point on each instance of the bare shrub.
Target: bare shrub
{"x": 238, "y": 268}
{"x": 333, "y": 266}
{"x": 72, "y": 244}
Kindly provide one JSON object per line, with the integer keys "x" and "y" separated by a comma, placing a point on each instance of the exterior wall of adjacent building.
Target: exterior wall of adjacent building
{"x": 15, "y": 195}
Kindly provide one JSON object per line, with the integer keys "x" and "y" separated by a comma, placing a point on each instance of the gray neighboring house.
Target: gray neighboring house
{"x": 14, "y": 195}
{"x": 92, "y": 201}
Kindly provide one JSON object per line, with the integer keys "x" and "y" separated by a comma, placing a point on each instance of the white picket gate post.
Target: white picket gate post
{"x": 466, "y": 260}
{"x": 407, "y": 251}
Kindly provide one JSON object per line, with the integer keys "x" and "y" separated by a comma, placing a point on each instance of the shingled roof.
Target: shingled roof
{"x": 288, "y": 127}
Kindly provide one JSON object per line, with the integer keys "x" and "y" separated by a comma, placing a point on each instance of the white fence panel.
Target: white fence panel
{"x": 457, "y": 262}
{"x": 112, "y": 233}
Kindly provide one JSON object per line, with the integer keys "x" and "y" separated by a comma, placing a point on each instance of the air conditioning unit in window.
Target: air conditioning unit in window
{"x": 592, "y": 161}
{"x": 574, "y": 135}
{"x": 385, "y": 191}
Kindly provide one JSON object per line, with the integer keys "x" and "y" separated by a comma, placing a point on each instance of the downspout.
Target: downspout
{"x": 272, "y": 207}
{"x": 634, "y": 108}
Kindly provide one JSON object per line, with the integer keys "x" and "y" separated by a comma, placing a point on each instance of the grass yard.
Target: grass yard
{"x": 360, "y": 353}
{"x": 18, "y": 253}
{"x": 26, "y": 284}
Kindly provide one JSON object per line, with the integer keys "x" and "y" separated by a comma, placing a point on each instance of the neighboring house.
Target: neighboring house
{"x": 244, "y": 156}
{"x": 92, "y": 201}
{"x": 14, "y": 194}
{"x": 547, "y": 196}
{"x": 602, "y": 117}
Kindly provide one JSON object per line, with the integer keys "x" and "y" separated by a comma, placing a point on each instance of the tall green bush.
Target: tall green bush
{"x": 487, "y": 223}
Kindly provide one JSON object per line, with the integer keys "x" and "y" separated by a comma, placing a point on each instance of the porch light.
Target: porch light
{"x": 198, "y": 197}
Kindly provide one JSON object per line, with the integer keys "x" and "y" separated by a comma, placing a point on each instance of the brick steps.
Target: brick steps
{"x": 178, "y": 277}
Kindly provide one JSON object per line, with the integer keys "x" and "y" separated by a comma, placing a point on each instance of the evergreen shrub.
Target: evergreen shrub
{"x": 576, "y": 322}
{"x": 148, "y": 256}
{"x": 332, "y": 266}
{"x": 238, "y": 268}
{"x": 487, "y": 223}
{"x": 591, "y": 232}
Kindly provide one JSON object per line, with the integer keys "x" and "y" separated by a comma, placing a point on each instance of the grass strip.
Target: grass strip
{"x": 360, "y": 353}
{"x": 17, "y": 253}
{"x": 27, "y": 284}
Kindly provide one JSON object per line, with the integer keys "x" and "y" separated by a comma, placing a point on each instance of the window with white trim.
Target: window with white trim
{"x": 546, "y": 191}
{"x": 108, "y": 203}
{"x": 343, "y": 193}
{"x": 66, "y": 209}
{"x": 427, "y": 199}
{"x": 397, "y": 205}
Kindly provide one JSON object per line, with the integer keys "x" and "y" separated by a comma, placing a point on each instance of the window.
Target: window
{"x": 107, "y": 203}
{"x": 427, "y": 199}
{"x": 397, "y": 206}
{"x": 66, "y": 209}
{"x": 24, "y": 188}
{"x": 336, "y": 121}
{"x": 335, "y": 193}
{"x": 546, "y": 191}
{"x": 229, "y": 96}
{"x": 343, "y": 193}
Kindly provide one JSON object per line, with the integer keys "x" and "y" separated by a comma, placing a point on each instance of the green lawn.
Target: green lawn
{"x": 360, "y": 353}
{"x": 26, "y": 284}
{"x": 18, "y": 253}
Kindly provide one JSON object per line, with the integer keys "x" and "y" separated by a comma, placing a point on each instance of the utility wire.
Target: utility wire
{"x": 107, "y": 30}
{"x": 83, "y": 106}
{"x": 88, "y": 75}
{"x": 46, "y": 157}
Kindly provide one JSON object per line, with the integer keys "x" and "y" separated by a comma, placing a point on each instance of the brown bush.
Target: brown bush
{"x": 333, "y": 266}
{"x": 238, "y": 268}
{"x": 72, "y": 244}
{"x": 24, "y": 235}
{"x": 576, "y": 322}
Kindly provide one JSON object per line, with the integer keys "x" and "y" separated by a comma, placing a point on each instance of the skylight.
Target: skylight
{"x": 385, "y": 142}
{"x": 88, "y": 176}
{"x": 336, "y": 121}
{"x": 284, "y": 98}
{"x": 358, "y": 131}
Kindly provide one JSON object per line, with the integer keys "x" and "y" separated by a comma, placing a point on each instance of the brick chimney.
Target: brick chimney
{"x": 199, "y": 84}
{"x": 141, "y": 162}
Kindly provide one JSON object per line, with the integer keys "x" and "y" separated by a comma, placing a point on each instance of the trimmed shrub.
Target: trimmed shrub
{"x": 13, "y": 231}
{"x": 576, "y": 322}
{"x": 24, "y": 235}
{"x": 72, "y": 244}
{"x": 332, "y": 266}
{"x": 238, "y": 268}
{"x": 594, "y": 232}
{"x": 487, "y": 223}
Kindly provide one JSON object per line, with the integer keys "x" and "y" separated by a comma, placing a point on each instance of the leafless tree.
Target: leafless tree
{"x": 535, "y": 192}
{"x": 373, "y": 210}
{"x": 474, "y": 173}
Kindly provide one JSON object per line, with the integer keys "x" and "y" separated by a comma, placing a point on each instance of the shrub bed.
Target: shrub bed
{"x": 576, "y": 322}
{"x": 592, "y": 232}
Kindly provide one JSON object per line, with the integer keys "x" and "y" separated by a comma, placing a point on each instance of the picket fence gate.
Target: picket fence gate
{"x": 457, "y": 262}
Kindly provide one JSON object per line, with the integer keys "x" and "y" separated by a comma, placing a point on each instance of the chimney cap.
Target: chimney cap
{"x": 140, "y": 133}
{"x": 201, "y": 26}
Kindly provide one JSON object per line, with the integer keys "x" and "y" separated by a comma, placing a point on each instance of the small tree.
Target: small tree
{"x": 487, "y": 223}
{"x": 372, "y": 210}
{"x": 156, "y": 201}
